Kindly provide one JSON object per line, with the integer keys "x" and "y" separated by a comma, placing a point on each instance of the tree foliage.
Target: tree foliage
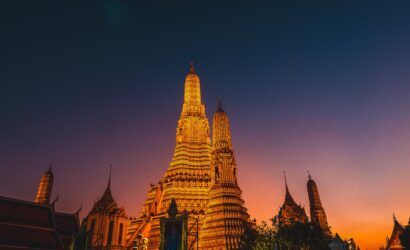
{"x": 298, "y": 235}
{"x": 260, "y": 238}
{"x": 265, "y": 239}
{"x": 291, "y": 236}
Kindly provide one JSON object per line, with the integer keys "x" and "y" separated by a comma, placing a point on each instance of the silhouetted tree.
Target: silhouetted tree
{"x": 297, "y": 235}
{"x": 261, "y": 238}
{"x": 292, "y": 236}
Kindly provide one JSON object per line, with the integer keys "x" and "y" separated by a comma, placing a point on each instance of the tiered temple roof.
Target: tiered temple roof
{"x": 107, "y": 204}
{"x": 394, "y": 241}
{"x": 291, "y": 212}
{"x": 25, "y": 224}
{"x": 106, "y": 223}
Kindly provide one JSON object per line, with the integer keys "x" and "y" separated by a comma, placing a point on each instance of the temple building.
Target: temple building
{"x": 36, "y": 225}
{"x": 45, "y": 187}
{"x": 394, "y": 240}
{"x": 317, "y": 212}
{"x": 106, "y": 223}
{"x": 226, "y": 219}
{"x": 189, "y": 177}
{"x": 290, "y": 212}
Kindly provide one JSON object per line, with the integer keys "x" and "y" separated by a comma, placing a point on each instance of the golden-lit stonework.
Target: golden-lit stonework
{"x": 317, "y": 212}
{"x": 189, "y": 179}
{"x": 226, "y": 218}
{"x": 45, "y": 187}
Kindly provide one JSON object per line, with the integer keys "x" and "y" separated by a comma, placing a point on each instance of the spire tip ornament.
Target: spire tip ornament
{"x": 219, "y": 109}
{"x": 191, "y": 67}
{"x": 78, "y": 210}
{"x": 109, "y": 177}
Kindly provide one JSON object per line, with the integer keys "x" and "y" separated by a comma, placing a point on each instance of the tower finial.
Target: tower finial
{"x": 191, "y": 67}
{"x": 310, "y": 177}
{"x": 219, "y": 109}
{"x": 109, "y": 177}
{"x": 50, "y": 167}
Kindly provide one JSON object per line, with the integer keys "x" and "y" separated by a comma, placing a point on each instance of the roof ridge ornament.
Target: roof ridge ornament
{"x": 109, "y": 178}
{"x": 286, "y": 182}
{"x": 394, "y": 218}
{"x": 53, "y": 203}
{"x": 81, "y": 208}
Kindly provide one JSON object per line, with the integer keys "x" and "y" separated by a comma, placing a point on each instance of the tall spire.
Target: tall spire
{"x": 193, "y": 126}
{"x": 286, "y": 184}
{"x": 221, "y": 129}
{"x": 219, "y": 108}
{"x": 226, "y": 218}
{"x": 317, "y": 212}
{"x": 45, "y": 187}
{"x": 191, "y": 67}
{"x": 109, "y": 178}
{"x": 192, "y": 95}
{"x": 107, "y": 192}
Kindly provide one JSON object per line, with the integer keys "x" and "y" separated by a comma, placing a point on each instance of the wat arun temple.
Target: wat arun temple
{"x": 196, "y": 205}
{"x": 201, "y": 178}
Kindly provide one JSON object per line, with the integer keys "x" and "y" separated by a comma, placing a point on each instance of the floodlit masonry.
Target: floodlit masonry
{"x": 201, "y": 178}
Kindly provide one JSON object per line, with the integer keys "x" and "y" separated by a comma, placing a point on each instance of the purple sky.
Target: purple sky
{"x": 321, "y": 87}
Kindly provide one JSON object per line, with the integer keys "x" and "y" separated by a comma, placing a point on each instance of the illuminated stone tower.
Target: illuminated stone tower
{"x": 188, "y": 178}
{"x": 317, "y": 212}
{"x": 45, "y": 187}
{"x": 226, "y": 217}
{"x": 290, "y": 211}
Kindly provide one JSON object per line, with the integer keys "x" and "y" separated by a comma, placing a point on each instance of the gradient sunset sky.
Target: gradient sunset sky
{"x": 322, "y": 86}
